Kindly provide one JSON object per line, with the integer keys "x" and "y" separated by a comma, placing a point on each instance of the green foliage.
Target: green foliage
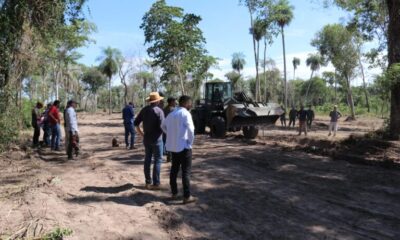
{"x": 283, "y": 13}
{"x": 234, "y": 78}
{"x": 58, "y": 234}
{"x": 238, "y": 61}
{"x": 176, "y": 43}
{"x": 109, "y": 61}
{"x": 93, "y": 80}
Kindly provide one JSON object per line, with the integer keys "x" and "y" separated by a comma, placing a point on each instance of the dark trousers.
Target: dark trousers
{"x": 72, "y": 144}
{"x": 182, "y": 159}
{"x": 283, "y": 122}
{"x": 129, "y": 130}
{"x": 292, "y": 121}
{"x": 309, "y": 123}
{"x": 36, "y": 135}
{"x": 46, "y": 134}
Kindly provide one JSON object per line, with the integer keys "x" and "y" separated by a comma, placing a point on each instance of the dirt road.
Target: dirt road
{"x": 247, "y": 190}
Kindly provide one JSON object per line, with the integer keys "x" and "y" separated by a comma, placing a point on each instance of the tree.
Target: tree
{"x": 258, "y": 31}
{"x": 314, "y": 61}
{"x": 336, "y": 43}
{"x": 394, "y": 61}
{"x": 331, "y": 79}
{"x": 238, "y": 61}
{"x": 283, "y": 15}
{"x": 234, "y": 78}
{"x": 176, "y": 43}
{"x": 110, "y": 59}
{"x": 93, "y": 80}
{"x": 296, "y": 63}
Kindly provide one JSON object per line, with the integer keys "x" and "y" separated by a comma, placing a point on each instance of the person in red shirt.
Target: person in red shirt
{"x": 54, "y": 122}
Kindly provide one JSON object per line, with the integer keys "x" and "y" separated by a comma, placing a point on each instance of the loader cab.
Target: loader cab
{"x": 217, "y": 93}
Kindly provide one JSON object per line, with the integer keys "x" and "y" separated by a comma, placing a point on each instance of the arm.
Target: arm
{"x": 190, "y": 127}
{"x": 164, "y": 126}
{"x": 137, "y": 123}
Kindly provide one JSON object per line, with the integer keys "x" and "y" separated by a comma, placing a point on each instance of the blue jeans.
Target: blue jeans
{"x": 153, "y": 150}
{"x": 47, "y": 134}
{"x": 129, "y": 129}
{"x": 55, "y": 137}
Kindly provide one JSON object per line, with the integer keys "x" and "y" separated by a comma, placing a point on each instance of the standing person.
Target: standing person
{"x": 167, "y": 110}
{"x": 71, "y": 127}
{"x": 302, "y": 115}
{"x": 283, "y": 117}
{"x": 128, "y": 115}
{"x": 310, "y": 116}
{"x": 46, "y": 126}
{"x": 36, "y": 121}
{"x": 292, "y": 116}
{"x": 152, "y": 116}
{"x": 54, "y": 123}
{"x": 179, "y": 128}
{"x": 66, "y": 127}
{"x": 333, "y": 125}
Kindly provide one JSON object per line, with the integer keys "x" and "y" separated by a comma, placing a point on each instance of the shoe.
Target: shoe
{"x": 329, "y": 134}
{"x": 190, "y": 199}
{"x": 174, "y": 196}
{"x": 131, "y": 148}
{"x": 147, "y": 186}
{"x": 155, "y": 187}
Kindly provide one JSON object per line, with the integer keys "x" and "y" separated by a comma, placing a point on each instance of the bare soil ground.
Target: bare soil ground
{"x": 279, "y": 186}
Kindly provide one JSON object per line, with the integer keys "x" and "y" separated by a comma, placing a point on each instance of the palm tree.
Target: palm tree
{"x": 296, "y": 63}
{"x": 283, "y": 15}
{"x": 258, "y": 31}
{"x": 314, "y": 61}
{"x": 238, "y": 61}
{"x": 109, "y": 67}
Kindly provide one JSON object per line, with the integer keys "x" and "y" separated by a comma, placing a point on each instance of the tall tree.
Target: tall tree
{"x": 337, "y": 44}
{"x": 93, "y": 80}
{"x": 238, "y": 62}
{"x": 296, "y": 63}
{"x": 314, "y": 61}
{"x": 283, "y": 15}
{"x": 109, "y": 66}
{"x": 176, "y": 43}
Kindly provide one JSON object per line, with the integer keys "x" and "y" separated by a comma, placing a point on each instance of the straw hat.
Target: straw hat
{"x": 154, "y": 97}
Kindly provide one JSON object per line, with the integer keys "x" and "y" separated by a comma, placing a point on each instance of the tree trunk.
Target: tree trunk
{"x": 265, "y": 73}
{"x": 109, "y": 96}
{"x": 284, "y": 65}
{"x": 394, "y": 58}
{"x": 364, "y": 84}
{"x": 255, "y": 52}
{"x": 309, "y": 85}
{"x": 258, "y": 85}
{"x": 350, "y": 98}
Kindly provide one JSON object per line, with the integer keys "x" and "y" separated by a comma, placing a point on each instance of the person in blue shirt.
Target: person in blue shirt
{"x": 128, "y": 114}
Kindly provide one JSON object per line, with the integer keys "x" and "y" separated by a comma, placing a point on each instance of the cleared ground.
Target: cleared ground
{"x": 270, "y": 188}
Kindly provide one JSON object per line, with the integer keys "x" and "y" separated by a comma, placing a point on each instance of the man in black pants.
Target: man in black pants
{"x": 179, "y": 129}
{"x": 36, "y": 118}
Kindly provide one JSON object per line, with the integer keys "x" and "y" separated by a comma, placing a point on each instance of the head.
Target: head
{"x": 39, "y": 105}
{"x": 56, "y": 103}
{"x": 72, "y": 103}
{"x": 302, "y": 107}
{"x": 335, "y": 108}
{"x": 154, "y": 99}
{"x": 310, "y": 106}
{"x": 185, "y": 102}
{"x": 171, "y": 102}
{"x": 48, "y": 105}
{"x": 131, "y": 104}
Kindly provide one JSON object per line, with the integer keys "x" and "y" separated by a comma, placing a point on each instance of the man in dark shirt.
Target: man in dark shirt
{"x": 302, "y": 115}
{"x": 292, "y": 116}
{"x": 334, "y": 115}
{"x": 310, "y": 116}
{"x": 283, "y": 117}
{"x": 152, "y": 116}
{"x": 128, "y": 115}
{"x": 36, "y": 118}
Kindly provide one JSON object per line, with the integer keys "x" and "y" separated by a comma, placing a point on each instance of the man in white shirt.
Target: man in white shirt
{"x": 71, "y": 128}
{"x": 179, "y": 128}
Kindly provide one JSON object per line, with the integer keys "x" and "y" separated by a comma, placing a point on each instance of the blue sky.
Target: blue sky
{"x": 225, "y": 25}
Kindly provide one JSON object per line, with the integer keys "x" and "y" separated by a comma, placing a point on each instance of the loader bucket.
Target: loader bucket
{"x": 239, "y": 115}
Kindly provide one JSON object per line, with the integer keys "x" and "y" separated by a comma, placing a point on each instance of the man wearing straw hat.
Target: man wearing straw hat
{"x": 333, "y": 125}
{"x": 152, "y": 116}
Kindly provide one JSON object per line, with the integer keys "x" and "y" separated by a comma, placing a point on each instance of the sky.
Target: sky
{"x": 225, "y": 26}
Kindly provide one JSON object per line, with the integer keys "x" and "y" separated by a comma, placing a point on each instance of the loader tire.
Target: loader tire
{"x": 218, "y": 128}
{"x": 250, "y": 132}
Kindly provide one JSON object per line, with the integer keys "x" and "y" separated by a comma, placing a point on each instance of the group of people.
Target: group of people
{"x": 165, "y": 131}
{"x": 306, "y": 118}
{"x": 49, "y": 121}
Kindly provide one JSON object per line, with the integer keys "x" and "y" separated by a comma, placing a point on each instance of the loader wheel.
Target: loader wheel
{"x": 217, "y": 126}
{"x": 250, "y": 132}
